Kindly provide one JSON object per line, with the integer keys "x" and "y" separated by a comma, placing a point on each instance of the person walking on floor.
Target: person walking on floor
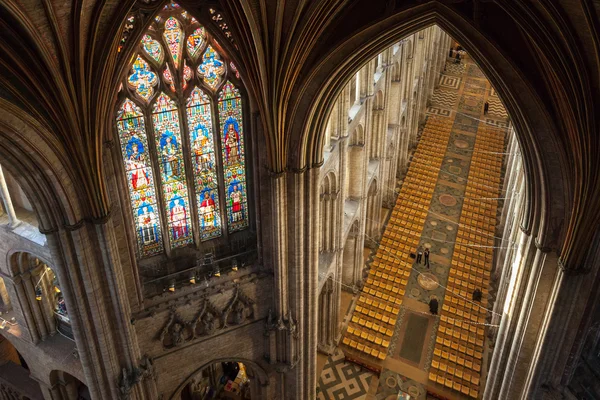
{"x": 457, "y": 58}
{"x": 486, "y": 107}
{"x": 433, "y": 306}
{"x": 419, "y": 254}
{"x": 427, "y": 257}
{"x": 477, "y": 294}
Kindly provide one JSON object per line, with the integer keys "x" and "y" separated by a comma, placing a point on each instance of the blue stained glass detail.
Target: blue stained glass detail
{"x": 232, "y": 144}
{"x": 203, "y": 161}
{"x": 134, "y": 147}
{"x": 170, "y": 154}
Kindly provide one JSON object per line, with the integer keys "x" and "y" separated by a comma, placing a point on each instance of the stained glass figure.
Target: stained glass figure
{"x": 152, "y": 48}
{"x": 203, "y": 161}
{"x": 134, "y": 147}
{"x": 142, "y": 79}
{"x": 219, "y": 193}
{"x": 172, "y": 36}
{"x": 195, "y": 42}
{"x": 168, "y": 77}
{"x": 232, "y": 144}
{"x": 170, "y": 154}
{"x": 212, "y": 68}
{"x": 187, "y": 74}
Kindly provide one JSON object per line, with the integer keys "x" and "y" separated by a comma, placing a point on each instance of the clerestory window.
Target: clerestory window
{"x": 181, "y": 131}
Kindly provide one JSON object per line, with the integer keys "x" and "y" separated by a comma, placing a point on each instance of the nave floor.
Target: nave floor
{"x": 454, "y": 214}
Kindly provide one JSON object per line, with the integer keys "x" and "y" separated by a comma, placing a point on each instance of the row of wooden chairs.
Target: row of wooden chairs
{"x": 445, "y": 379}
{"x": 460, "y": 338}
{"x": 372, "y": 323}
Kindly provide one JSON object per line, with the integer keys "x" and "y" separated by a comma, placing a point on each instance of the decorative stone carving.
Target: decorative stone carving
{"x": 129, "y": 378}
{"x": 175, "y": 332}
{"x": 147, "y": 367}
{"x": 178, "y": 331}
{"x": 240, "y": 308}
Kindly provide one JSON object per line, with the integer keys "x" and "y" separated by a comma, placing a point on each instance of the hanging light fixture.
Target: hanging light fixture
{"x": 217, "y": 272}
{"x": 38, "y": 293}
{"x": 234, "y": 265}
{"x": 193, "y": 279}
{"x": 3, "y": 324}
{"x": 172, "y": 287}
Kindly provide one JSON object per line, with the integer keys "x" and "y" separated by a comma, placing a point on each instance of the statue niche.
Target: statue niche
{"x": 239, "y": 309}
{"x": 207, "y": 320}
{"x": 176, "y": 331}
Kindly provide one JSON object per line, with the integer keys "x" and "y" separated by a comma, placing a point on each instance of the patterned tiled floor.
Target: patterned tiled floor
{"x": 461, "y": 95}
{"x": 343, "y": 380}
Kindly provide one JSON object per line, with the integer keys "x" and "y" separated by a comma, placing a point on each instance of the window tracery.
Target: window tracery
{"x": 181, "y": 117}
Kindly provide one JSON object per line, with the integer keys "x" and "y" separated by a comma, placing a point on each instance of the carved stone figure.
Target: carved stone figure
{"x": 209, "y": 324}
{"x": 238, "y": 316}
{"x": 172, "y": 333}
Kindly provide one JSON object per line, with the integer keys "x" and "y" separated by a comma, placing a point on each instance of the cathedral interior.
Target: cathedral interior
{"x": 266, "y": 199}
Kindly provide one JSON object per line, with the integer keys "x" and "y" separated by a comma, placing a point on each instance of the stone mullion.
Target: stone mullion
{"x": 508, "y": 324}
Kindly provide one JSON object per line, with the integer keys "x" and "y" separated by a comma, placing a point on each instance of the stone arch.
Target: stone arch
{"x": 517, "y": 95}
{"x": 66, "y": 386}
{"x": 328, "y": 315}
{"x": 379, "y": 102}
{"x": 357, "y": 137}
{"x": 396, "y": 72}
{"x": 40, "y": 304}
{"x": 352, "y": 255}
{"x": 373, "y": 214}
{"x": 260, "y": 379}
{"x": 40, "y": 168}
{"x": 328, "y": 210}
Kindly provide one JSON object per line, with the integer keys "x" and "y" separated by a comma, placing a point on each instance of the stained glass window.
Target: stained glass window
{"x": 152, "y": 48}
{"x": 168, "y": 77}
{"x": 167, "y": 134}
{"x": 212, "y": 68}
{"x": 187, "y": 75}
{"x": 195, "y": 42}
{"x": 204, "y": 164}
{"x": 232, "y": 144}
{"x": 142, "y": 78}
{"x": 135, "y": 150}
{"x": 194, "y": 108}
{"x": 172, "y": 37}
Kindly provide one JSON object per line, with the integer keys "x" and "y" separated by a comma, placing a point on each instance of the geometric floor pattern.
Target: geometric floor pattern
{"x": 444, "y": 98}
{"x": 343, "y": 380}
{"x": 454, "y": 69}
{"x": 448, "y": 81}
{"x": 496, "y": 107}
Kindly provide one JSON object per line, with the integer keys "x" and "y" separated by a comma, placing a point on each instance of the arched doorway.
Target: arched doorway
{"x": 224, "y": 379}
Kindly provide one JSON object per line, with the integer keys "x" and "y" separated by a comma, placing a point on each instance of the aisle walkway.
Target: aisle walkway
{"x": 390, "y": 329}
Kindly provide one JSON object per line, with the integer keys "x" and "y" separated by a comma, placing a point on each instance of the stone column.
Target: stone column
{"x": 13, "y": 221}
{"x": 514, "y": 301}
{"x": 35, "y": 304}
{"x": 26, "y": 308}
